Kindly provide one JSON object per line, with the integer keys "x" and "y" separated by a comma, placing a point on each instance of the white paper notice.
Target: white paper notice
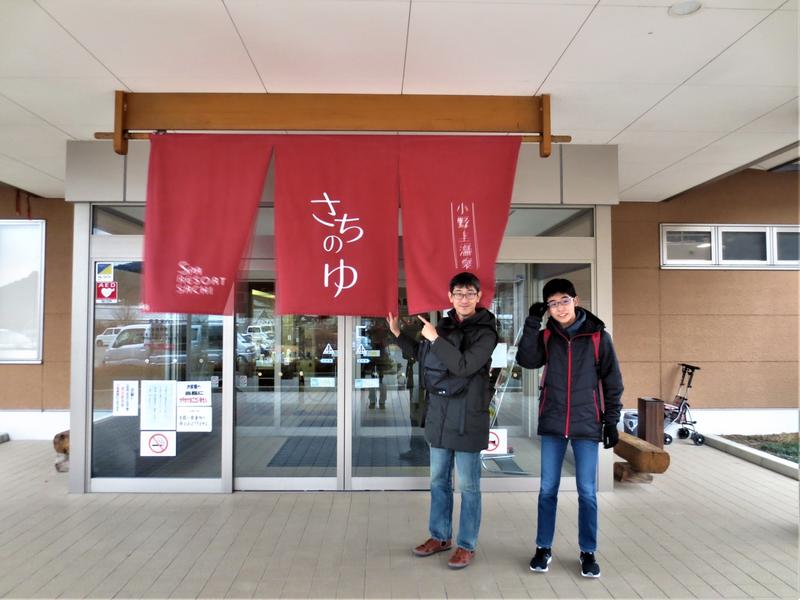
{"x": 126, "y": 399}
{"x": 194, "y": 393}
{"x": 194, "y": 418}
{"x": 500, "y": 356}
{"x": 367, "y": 383}
{"x": 156, "y": 443}
{"x": 158, "y": 405}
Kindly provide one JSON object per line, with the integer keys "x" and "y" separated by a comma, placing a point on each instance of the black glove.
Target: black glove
{"x": 610, "y": 435}
{"x": 537, "y": 310}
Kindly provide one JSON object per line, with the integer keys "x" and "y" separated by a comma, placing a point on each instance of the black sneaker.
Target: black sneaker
{"x": 541, "y": 560}
{"x": 589, "y": 566}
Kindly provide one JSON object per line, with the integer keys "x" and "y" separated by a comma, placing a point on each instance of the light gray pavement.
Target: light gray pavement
{"x": 713, "y": 526}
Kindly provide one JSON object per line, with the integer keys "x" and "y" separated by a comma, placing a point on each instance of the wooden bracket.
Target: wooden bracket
{"x": 120, "y": 122}
{"x": 527, "y": 116}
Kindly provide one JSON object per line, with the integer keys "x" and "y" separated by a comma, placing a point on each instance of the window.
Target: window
{"x": 21, "y": 290}
{"x": 691, "y": 245}
{"x": 787, "y": 245}
{"x": 743, "y": 245}
{"x": 730, "y": 246}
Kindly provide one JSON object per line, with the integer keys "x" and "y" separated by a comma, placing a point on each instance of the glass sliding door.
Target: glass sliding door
{"x": 518, "y": 285}
{"x": 387, "y": 445}
{"x": 156, "y": 391}
{"x": 285, "y": 394}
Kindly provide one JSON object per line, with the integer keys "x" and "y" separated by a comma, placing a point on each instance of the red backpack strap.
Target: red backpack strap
{"x": 546, "y": 339}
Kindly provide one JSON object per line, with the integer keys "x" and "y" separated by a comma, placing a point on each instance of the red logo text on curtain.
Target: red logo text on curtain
{"x": 336, "y": 225}
{"x": 455, "y": 197}
{"x": 202, "y": 197}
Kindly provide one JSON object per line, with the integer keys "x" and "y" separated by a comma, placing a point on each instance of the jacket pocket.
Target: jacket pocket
{"x": 542, "y": 401}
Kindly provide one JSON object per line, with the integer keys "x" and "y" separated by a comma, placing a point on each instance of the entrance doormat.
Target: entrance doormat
{"x": 320, "y": 451}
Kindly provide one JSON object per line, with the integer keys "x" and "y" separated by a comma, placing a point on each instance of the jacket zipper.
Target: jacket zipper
{"x": 569, "y": 384}
{"x": 569, "y": 378}
{"x": 444, "y": 420}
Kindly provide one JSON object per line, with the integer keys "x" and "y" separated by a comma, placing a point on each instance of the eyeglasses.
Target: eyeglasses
{"x": 465, "y": 295}
{"x": 565, "y": 301}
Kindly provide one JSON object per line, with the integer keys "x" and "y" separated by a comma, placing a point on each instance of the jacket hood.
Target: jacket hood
{"x": 590, "y": 325}
{"x": 482, "y": 317}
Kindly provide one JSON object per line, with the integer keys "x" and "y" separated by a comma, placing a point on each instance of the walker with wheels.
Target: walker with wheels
{"x": 677, "y": 417}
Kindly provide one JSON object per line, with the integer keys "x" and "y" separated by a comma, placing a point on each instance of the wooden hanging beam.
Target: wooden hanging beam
{"x": 145, "y": 112}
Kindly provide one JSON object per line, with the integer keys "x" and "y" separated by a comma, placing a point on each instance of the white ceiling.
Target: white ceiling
{"x": 686, "y": 99}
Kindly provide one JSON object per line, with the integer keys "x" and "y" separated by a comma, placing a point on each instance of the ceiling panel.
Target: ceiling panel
{"x": 13, "y": 114}
{"x": 149, "y": 42}
{"x": 708, "y": 5}
{"x": 760, "y": 57}
{"x": 30, "y": 179}
{"x": 645, "y": 45}
{"x": 633, "y": 173}
{"x": 743, "y": 147}
{"x": 590, "y": 136}
{"x": 644, "y": 153}
{"x": 713, "y": 108}
{"x": 783, "y": 119}
{"x": 674, "y": 180}
{"x": 29, "y": 142}
{"x": 475, "y": 48}
{"x": 600, "y": 105}
{"x": 306, "y": 46}
{"x": 78, "y": 101}
{"x": 33, "y": 45}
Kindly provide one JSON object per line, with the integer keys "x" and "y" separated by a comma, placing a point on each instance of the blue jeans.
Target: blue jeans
{"x": 585, "y": 452}
{"x": 440, "y": 524}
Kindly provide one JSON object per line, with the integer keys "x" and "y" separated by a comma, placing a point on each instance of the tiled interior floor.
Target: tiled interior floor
{"x": 712, "y": 526}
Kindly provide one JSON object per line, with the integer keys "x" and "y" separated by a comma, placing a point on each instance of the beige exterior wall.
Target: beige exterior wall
{"x": 741, "y": 327}
{"x": 45, "y": 386}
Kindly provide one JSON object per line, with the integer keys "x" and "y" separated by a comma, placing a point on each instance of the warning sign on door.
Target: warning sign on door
{"x": 498, "y": 442}
{"x": 105, "y": 292}
{"x": 157, "y": 443}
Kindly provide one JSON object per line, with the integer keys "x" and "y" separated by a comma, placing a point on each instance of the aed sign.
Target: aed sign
{"x": 105, "y": 292}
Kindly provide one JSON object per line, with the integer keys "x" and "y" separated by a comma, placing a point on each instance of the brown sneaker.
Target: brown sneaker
{"x": 432, "y": 546}
{"x": 461, "y": 558}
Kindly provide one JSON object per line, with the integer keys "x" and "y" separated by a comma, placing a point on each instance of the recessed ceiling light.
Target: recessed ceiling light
{"x": 687, "y": 7}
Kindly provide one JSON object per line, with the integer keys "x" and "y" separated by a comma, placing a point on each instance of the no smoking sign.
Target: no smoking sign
{"x": 157, "y": 443}
{"x": 498, "y": 442}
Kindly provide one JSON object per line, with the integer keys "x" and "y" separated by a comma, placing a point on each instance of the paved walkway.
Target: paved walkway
{"x": 712, "y": 526}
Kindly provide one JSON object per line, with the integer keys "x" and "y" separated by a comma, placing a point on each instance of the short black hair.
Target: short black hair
{"x": 558, "y": 286}
{"x": 465, "y": 279}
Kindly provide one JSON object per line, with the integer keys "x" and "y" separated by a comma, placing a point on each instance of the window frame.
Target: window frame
{"x": 39, "y": 351}
{"x": 776, "y": 257}
{"x": 665, "y": 260}
{"x": 717, "y": 261}
{"x": 721, "y": 230}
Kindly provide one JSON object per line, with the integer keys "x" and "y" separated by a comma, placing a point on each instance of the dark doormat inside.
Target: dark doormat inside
{"x": 320, "y": 451}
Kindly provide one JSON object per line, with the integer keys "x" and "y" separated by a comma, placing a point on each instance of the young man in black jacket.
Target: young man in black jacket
{"x": 459, "y": 349}
{"x": 579, "y": 403}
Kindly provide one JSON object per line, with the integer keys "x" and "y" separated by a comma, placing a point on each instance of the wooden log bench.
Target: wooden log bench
{"x": 643, "y": 459}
